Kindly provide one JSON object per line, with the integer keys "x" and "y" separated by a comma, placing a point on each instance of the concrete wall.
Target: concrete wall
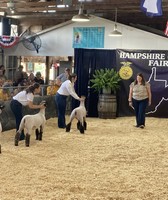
{"x": 8, "y": 120}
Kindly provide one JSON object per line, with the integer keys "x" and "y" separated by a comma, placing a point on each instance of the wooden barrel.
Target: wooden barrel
{"x": 107, "y": 106}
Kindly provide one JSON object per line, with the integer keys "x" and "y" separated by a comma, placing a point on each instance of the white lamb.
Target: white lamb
{"x": 80, "y": 114}
{"x": 30, "y": 122}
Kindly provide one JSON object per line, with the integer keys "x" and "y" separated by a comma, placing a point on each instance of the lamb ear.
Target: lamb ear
{"x": 44, "y": 102}
{"x": 83, "y": 97}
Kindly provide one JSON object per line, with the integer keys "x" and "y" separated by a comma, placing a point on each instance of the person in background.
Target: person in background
{"x": 139, "y": 98}
{"x": 1, "y": 82}
{"x": 6, "y": 90}
{"x": 24, "y": 98}
{"x": 52, "y": 88}
{"x": 63, "y": 77}
{"x": 2, "y": 67}
{"x": 66, "y": 89}
{"x": 38, "y": 78}
{"x": 21, "y": 86}
{"x": 2, "y": 73}
{"x": 20, "y": 75}
{"x": 1, "y": 89}
{"x": 31, "y": 78}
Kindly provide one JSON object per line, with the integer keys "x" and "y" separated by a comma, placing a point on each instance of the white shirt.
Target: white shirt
{"x": 24, "y": 98}
{"x": 67, "y": 89}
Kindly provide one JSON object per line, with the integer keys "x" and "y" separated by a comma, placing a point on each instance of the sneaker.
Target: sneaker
{"x": 141, "y": 126}
{"x": 136, "y": 126}
{"x": 62, "y": 127}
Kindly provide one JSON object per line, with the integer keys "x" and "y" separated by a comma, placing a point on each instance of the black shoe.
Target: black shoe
{"x": 136, "y": 126}
{"x": 141, "y": 126}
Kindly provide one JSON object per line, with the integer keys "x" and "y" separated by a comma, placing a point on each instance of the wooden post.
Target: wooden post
{"x": 47, "y": 70}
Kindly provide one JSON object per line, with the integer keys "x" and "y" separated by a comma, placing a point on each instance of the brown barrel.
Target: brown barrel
{"x": 107, "y": 106}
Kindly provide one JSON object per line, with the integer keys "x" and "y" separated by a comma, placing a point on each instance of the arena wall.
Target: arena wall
{"x": 7, "y": 117}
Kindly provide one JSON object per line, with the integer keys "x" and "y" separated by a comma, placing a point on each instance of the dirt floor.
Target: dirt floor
{"x": 113, "y": 160}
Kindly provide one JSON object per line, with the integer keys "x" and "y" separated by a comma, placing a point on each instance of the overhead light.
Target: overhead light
{"x": 60, "y": 6}
{"x": 80, "y": 17}
{"x": 12, "y": 10}
{"x": 10, "y": 5}
{"x": 115, "y": 32}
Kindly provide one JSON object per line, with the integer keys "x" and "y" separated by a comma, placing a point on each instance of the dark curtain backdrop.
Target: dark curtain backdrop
{"x": 86, "y": 61}
{"x": 152, "y": 63}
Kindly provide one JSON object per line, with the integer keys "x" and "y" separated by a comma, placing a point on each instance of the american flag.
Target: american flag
{"x": 166, "y": 29}
{"x": 152, "y": 7}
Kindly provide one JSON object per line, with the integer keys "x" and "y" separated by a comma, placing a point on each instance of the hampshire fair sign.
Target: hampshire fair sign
{"x": 154, "y": 66}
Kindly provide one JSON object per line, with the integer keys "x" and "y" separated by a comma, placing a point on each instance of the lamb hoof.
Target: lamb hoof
{"x": 82, "y": 132}
{"x": 85, "y": 125}
{"x": 68, "y": 127}
{"x": 78, "y": 125}
{"x": 82, "y": 129}
{"x": 40, "y": 136}
{"x": 37, "y": 134}
{"x": 27, "y": 140}
{"x": 17, "y": 138}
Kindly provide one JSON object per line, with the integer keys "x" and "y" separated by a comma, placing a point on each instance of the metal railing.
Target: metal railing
{"x": 7, "y": 92}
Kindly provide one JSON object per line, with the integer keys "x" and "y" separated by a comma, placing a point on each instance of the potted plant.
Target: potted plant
{"x": 106, "y": 82}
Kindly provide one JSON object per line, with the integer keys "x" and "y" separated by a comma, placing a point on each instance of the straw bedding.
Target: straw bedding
{"x": 113, "y": 160}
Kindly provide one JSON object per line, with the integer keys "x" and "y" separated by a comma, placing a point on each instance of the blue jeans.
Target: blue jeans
{"x": 16, "y": 108}
{"x": 60, "y": 102}
{"x": 140, "y": 107}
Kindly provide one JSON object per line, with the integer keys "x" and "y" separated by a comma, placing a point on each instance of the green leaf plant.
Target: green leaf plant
{"x": 106, "y": 79}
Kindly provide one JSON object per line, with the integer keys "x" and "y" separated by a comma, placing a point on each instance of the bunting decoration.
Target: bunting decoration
{"x": 166, "y": 29}
{"x": 8, "y": 41}
{"x": 152, "y": 7}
